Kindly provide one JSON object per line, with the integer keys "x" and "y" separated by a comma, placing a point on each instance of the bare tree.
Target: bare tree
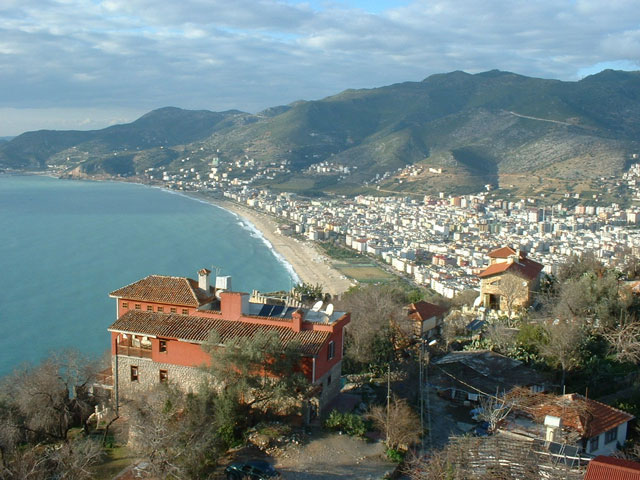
{"x": 562, "y": 344}
{"x": 493, "y": 410}
{"x": 176, "y": 433}
{"x": 399, "y": 422}
{"x": 373, "y": 308}
{"x": 625, "y": 341}
{"x": 514, "y": 290}
{"x": 51, "y": 397}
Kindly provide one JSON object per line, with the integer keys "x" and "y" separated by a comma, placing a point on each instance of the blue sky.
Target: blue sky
{"x": 67, "y": 64}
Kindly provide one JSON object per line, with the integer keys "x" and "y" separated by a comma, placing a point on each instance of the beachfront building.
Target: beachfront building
{"x": 163, "y": 322}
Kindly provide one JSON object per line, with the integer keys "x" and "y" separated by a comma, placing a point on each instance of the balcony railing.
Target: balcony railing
{"x": 134, "y": 351}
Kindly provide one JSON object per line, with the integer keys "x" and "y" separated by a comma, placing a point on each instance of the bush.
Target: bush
{"x": 396, "y": 456}
{"x": 349, "y": 423}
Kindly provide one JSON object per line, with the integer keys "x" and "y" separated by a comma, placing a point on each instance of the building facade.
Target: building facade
{"x": 164, "y": 322}
{"x": 510, "y": 280}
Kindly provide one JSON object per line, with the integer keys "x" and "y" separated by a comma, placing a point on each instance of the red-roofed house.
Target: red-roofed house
{"x": 510, "y": 279}
{"x": 427, "y": 318}
{"x": 611, "y": 468}
{"x": 593, "y": 427}
{"x": 163, "y": 322}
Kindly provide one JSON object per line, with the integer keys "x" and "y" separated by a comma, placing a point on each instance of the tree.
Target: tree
{"x": 399, "y": 423}
{"x": 624, "y": 340}
{"x": 373, "y": 309}
{"x": 259, "y": 370}
{"x": 176, "y": 433}
{"x": 513, "y": 289}
{"x": 47, "y": 400}
{"x": 561, "y": 347}
{"x": 493, "y": 410}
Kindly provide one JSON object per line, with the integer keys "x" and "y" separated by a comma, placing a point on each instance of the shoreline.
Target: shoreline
{"x": 309, "y": 265}
{"x": 301, "y": 257}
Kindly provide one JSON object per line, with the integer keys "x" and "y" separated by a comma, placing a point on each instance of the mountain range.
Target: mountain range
{"x": 459, "y": 131}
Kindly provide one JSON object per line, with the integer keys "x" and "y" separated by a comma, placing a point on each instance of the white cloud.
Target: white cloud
{"x": 251, "y": 54}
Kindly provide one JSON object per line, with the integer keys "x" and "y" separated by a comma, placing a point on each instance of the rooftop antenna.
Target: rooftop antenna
{"x": 317, "y": 306}
{"x": 329, "y": 310}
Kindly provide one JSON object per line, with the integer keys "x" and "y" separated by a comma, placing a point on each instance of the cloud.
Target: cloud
{"x": 251, "y": 54}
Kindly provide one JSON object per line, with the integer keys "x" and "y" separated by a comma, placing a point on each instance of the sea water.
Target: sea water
{"x": 65, "y": 244}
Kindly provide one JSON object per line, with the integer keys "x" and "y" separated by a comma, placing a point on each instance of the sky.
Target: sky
{"x": 86, "y": 64}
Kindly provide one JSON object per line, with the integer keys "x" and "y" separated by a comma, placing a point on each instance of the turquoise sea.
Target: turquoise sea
{"x": 65, "y": 244}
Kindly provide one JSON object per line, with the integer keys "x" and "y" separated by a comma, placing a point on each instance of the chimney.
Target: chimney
{"x": 297, "y": 318}
{"x": 203, "y": 279}
{"x": 234, "y": 304}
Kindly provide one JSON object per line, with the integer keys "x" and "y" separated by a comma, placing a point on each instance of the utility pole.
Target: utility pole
{"x": 422, "y": 392}
{"x": 388, "y": 399}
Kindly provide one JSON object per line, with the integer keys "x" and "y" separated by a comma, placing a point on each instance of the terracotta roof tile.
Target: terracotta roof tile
{"x": 423, "y": 310}
{"x": 610, "y": 468}
{"x": 503, "y": 252}
{"x": 164, "y": 289}
{"x": 525, "y": 267}
{"x": 587, "y": 417}
{"x": 197, "y": 329}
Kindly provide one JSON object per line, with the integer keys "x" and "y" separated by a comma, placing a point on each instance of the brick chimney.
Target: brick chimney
{"x": 298, "y": 317}
{"x": 234, "y": 304}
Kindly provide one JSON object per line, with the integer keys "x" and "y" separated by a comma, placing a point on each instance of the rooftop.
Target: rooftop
{"x": 198, "y": 329}
{"x": 165, "y": 289}
{"x": 610, "y": 468}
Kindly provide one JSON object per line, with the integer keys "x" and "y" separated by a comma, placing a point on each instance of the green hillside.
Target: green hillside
{"x": 490, "y": 128}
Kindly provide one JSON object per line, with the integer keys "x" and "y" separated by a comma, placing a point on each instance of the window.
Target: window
{"x": 174, "y": 309}
{"x": 163, "y": 346}
{"x": 611, "y": 435}
{"x": 331, "y": 351}
{"x": 329, "y": 380}
{"x": 125, "y": 304}
{"x": 164, "y": 376}
{"x": 134, "y": 373}
{"x": 161, "y": 309}
{"x": 149, "y": 308}
{"x": 185, "y": 311}
{"x": 137, "y": 306}
{"x": 593, "y": 444}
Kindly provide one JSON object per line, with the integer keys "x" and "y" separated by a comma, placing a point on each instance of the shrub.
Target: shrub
{"x": 349, "y": 423}
{"x": 396, "y": 456}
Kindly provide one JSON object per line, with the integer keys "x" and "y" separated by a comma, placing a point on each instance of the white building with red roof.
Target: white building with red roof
{"x": 163, "y": 322}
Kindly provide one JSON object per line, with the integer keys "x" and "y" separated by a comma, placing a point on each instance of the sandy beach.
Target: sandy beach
{"x": 307, "y": 261}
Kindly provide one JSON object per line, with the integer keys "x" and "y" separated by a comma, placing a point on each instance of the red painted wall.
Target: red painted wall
{"x": 179, "y": 353}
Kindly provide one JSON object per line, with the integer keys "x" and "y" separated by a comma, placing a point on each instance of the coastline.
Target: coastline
{"x": 307, "y": 262}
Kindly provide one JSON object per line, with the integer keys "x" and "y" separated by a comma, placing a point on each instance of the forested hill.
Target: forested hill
{"x": 493, "y": 127}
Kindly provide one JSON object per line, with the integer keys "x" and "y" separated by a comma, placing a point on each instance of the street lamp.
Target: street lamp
{"x": 424, "y": 378}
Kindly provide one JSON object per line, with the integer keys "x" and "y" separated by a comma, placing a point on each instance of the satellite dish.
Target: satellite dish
{"x": 317, "y": 306}
{"x": 329, "y": 310}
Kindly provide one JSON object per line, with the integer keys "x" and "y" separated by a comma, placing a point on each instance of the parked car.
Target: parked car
{"x": 251, "y": 470}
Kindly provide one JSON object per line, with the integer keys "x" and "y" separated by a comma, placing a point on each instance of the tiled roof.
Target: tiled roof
{"x": 197, "y": 329}
{"x": 503, "y": 252}
{"x": 524, "y": 267}
{"x": 164, "y": 289}
{"x": 610, "y": 468}
{"x": 587, "y": 417}
{"x": 423, "y": 310}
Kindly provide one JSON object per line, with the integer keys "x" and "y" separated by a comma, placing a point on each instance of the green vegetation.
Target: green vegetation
{"x": 536, "y": 134}
{"x": 349, "y": 423}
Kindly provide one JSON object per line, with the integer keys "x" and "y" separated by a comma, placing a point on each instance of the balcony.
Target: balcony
{"x": 134, "y": 351}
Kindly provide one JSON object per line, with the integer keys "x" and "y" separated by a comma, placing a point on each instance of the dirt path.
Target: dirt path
{"x": 333, "y": 456}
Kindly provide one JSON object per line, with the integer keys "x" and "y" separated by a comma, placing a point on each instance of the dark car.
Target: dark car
{"x": 251, "y": 470}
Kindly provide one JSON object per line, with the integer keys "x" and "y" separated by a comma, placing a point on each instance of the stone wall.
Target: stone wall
{"x": 187, "y": 378}
{"x": 330, "y": 389}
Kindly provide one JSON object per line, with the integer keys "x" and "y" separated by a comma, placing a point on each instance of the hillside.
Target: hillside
{"x": 494, "y": 128}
